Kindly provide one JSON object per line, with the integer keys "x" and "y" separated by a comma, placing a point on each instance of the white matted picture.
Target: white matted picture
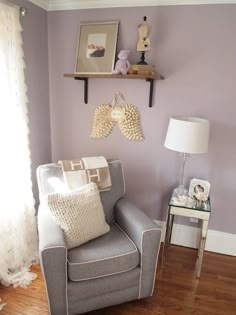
{"x": 96, "y": 48}
{"x": 199, "y": 185}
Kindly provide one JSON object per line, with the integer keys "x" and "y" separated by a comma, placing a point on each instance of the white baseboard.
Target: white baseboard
{"x": 162, "y": 225}
{"x": 218, "y": 242}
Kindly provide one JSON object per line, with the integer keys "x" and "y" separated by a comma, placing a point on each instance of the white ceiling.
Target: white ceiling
{"x": 55, "y": 5}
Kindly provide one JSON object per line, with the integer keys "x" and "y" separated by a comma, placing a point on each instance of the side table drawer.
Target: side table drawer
{"x": 191, "y": 213}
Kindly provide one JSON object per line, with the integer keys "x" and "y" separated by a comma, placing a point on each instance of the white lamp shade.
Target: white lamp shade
{"x": 188, "y": 135}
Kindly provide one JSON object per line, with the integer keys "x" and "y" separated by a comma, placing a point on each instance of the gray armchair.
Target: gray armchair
{"x": 117, "y": 267}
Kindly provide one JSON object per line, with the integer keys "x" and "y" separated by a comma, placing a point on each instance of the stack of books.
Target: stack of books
{"x": 141, "y": 69}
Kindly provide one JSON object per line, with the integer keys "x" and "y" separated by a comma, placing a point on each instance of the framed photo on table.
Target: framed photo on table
{"x": 199, "y": 185}
{"x": 96, "y": 47}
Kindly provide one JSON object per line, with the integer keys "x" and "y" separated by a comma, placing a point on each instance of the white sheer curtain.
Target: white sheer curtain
{"x": 18, "y": 236}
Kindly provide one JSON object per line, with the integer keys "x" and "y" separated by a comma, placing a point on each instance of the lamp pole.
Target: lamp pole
{"x": 181, "y": 190}
{"x": 181, "y": 178}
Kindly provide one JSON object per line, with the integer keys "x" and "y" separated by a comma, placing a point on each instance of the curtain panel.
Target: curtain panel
{"x": 18, "y": 233}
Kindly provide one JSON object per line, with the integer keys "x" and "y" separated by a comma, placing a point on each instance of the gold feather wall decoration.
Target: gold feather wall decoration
{"x": 127, "y": 116}
{"x": 102, "y": 123}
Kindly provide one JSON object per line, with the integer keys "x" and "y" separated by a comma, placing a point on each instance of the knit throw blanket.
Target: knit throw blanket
{"x": 78, "y": 173}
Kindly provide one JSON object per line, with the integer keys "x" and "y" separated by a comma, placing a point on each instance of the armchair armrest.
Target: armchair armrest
{"x": 53, "y": 261}
{"x": 147, "y": 237}
{"x": 50, "y": 234}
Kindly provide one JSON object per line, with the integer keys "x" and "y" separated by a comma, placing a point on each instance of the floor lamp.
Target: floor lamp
{"x": 187, "y": 135}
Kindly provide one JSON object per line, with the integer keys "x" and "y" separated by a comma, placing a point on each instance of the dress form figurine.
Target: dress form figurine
{"x": 144, "y": 43}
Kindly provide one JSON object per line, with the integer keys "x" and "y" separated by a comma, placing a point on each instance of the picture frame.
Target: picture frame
{"x": 96, "y": 49}
{"x": 199, "y": 185}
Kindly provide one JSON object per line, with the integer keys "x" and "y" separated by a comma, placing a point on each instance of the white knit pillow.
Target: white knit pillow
{"x": 79, "y": 213}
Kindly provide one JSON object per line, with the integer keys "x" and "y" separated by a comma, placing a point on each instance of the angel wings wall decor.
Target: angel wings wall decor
{"x": 127, "y": 117}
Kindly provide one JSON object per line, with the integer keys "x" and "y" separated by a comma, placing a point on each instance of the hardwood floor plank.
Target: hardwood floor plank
{"x": 177, "y": 290}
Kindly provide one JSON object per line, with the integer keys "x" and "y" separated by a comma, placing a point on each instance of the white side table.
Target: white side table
{"x": 191, "y": 210}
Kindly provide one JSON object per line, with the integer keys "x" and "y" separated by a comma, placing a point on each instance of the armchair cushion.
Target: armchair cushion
{"x": 79, "y": 213}
{"x": 109, "y": 254}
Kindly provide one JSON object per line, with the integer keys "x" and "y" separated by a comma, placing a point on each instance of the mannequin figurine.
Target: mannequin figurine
{"x": 144, "y": 43}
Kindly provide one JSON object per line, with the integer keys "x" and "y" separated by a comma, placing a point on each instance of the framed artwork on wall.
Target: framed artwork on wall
{"x": 96, "y": 47}
{"x": 199, "y": 187}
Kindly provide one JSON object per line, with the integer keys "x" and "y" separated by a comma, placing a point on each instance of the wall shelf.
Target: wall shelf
{"x": 85, "y": 77}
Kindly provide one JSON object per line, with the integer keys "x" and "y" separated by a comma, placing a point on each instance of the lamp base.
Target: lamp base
{"x": 180, "y": 191}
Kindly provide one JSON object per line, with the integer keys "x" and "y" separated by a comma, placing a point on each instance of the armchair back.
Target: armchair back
{"x": 50, "y": 179}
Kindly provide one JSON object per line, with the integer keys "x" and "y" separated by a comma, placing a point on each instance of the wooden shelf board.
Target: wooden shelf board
{"x": 114, "y": 76}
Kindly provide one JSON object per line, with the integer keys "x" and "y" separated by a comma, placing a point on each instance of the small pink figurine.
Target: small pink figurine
{"x": 122, "y": 64}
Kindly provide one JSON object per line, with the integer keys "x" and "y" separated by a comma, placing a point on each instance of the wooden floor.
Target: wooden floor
{"x": 177, "y": 291}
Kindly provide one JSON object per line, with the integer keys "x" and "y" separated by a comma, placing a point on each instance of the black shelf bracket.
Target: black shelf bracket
{"x": 85, "y": 88}
{"x": 150, "y": 91}
{"x": 150, "y": 80}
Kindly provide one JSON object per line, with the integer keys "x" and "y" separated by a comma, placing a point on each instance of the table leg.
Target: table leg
{"x": 202, "y": 247}
{"x": 166, "y": 237}
{"x": 171, "y": 221}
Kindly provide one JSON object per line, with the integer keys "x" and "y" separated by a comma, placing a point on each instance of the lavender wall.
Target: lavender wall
{"x": 194, "y": 48}
{"x": 35, "y": 46}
